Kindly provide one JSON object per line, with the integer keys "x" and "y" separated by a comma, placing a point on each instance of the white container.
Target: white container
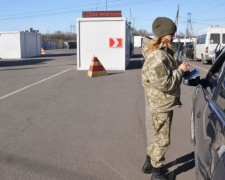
{"x": 18, "y": 44}
{"x": 93, "y": 39}
{"x": 138, "y": 41}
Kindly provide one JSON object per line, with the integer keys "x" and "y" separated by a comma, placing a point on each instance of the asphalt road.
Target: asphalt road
{"x": 57, "y": 123}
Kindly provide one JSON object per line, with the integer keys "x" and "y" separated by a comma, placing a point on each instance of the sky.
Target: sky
{"x": 49, "y": 16}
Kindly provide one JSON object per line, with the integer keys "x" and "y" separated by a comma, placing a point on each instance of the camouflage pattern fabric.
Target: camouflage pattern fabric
{"x": 161, "y": 78}
{"x": 145, "y": 46}
{"x": 161, "y": 123}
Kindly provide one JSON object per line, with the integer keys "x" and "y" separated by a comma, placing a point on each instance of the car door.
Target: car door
{"x": 204, "y": 126}
{"x": 217, "y": 118}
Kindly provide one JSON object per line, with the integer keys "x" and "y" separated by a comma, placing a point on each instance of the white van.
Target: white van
{"x": 207, "y": 41}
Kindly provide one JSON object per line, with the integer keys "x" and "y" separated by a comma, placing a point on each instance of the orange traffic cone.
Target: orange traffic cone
{"x": 96, "y": 68}
{"x": 42, "y": 51}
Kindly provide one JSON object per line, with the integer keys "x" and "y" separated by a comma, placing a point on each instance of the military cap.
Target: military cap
{"x": 163, "y": 26}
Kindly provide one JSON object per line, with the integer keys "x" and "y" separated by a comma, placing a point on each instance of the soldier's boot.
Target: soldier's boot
{"x": 147, "y": 167}
{"x": 157, "y": 174}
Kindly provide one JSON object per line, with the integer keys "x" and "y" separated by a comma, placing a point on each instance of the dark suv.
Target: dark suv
{"x": 208, "y": 122}
{"x": 190, "y": 51}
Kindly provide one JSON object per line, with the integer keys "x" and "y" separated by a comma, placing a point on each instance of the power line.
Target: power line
{"x": 210, "y": 9}
{"x": 198, "y": 23}
{"x": 58, "y": 9}
{"x": 204, "y": 20}
{"x": 216, "y": 19}
{"x": 49, "y": 10}
{"x": 19, "y": 15}
{"x": 77, "y": 9}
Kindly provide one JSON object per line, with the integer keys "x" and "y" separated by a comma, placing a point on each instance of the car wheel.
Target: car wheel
{"x": 192, "y": 127}
{"x": 203, "y": 60}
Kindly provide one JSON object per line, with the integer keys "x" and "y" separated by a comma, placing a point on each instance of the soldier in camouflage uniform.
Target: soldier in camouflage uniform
{"x": 161, "y": 78}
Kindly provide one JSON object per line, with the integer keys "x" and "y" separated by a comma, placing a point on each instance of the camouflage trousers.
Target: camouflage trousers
{"x": 160, "y": 142}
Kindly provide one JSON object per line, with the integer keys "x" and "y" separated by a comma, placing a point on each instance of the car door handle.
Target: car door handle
{"x": 208, "y": 158}
{"x": 199, "y": 114}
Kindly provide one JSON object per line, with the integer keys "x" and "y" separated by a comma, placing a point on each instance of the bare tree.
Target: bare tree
{"x": 59, "y": 36}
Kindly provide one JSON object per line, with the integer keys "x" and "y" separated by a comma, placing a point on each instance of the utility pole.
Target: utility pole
{"x": 106, "y": 5}
{"x": 176, "y": 19}
{"x": 130, "y": 18}
{"x": 72, "y": 29}
{"x": 189, "y": 30}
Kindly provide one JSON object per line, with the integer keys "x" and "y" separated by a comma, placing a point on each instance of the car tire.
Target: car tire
{"x": 203, "y": 60}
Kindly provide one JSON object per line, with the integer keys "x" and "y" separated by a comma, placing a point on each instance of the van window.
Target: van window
{"x": 223, "y": 40}
{"x": 214, "y": 38}
{"x": 201, "y": 39}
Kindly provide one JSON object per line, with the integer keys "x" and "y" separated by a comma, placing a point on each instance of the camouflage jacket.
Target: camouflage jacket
{"x": 161, "y": 78}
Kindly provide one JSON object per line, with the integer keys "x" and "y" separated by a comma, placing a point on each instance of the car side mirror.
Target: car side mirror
{"x": 192, "y": 82}
{"x": 195, "y": 82}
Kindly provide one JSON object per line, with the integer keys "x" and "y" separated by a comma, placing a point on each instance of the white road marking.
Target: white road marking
{"x": 142, "y": 60}
{"x": 24, "y": 88}
{"x": 199, "y": 67}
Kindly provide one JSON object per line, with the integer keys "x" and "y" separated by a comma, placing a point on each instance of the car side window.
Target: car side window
{"x": 213, "y": 76}
{"x": 223, "y": 41}
{"x": 213, "y": 80}
{"x": 220, "y": 99}
{"x": 214, "y": 38}
{"x": 201, "y": 39}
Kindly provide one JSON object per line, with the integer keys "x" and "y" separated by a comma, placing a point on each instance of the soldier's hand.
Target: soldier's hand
{"x": 184, "y": 66}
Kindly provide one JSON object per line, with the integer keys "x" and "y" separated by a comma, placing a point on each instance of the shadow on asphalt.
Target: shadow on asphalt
{"x": 188, "y": 164}
{"x": 58, "y": 55}
{"x": 23, "y": 62}
{"x": 114, "y": 73}
{"x": 136, "y": 56}
{"x": 18, "y": 69}
{"x": 135, "y": 64}
{"x": 44, "y": 169}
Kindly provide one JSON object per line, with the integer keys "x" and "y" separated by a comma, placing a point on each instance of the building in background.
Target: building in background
{"x": 20, "y": 44}
{"x": 106, "y": 35}
{"x": 138, "y": 41}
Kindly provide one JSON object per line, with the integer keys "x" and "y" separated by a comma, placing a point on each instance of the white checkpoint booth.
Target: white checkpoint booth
{"x": 19, "y": 44}
{"x": 109, "y": 39}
